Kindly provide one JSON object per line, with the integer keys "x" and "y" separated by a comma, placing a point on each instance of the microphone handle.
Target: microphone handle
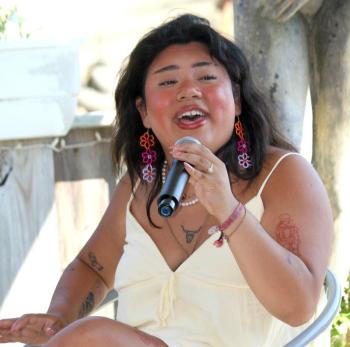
{"x": 171, "y": 193}
{"x": 176, "y": 181}
{"x": 174, "y": 185}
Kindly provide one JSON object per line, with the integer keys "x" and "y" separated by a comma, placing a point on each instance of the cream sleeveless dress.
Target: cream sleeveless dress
{"x": 205, "y": 302}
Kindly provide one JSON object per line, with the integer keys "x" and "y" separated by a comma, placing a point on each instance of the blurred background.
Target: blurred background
{"x": 56, "y": 177}
{"x": 106, "y": 31}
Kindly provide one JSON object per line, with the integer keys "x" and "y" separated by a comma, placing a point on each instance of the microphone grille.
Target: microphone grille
{"x": 188, "y": 139}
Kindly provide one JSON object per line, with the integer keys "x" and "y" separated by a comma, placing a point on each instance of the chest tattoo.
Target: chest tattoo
{"x": 190, "y": 234}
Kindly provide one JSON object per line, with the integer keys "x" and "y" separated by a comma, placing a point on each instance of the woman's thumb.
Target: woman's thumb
{"x": 50, "y": 330}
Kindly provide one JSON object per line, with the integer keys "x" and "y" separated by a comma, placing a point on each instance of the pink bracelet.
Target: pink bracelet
{"x": 220, "y": 228}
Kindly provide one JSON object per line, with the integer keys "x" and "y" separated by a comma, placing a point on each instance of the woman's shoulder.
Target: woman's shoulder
{"x": 127, "y": 192}
{"x": 278, "y": 159}
{"x": 121, "y": 193}
{"x": 276, "y": 155}
{"x": 284, "y": 170}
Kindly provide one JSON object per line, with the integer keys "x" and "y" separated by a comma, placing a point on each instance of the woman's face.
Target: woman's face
{"x": 188, "y": 93}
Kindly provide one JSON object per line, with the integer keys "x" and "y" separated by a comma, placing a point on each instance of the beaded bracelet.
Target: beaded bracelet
{"x": 220, "y": 228}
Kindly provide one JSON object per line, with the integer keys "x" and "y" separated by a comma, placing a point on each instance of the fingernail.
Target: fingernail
{"x": 51, "y": 331}
{"x": 177, "y": 154}
{"x": 188, "y": 165}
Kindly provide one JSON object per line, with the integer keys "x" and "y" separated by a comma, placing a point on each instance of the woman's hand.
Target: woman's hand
{"x": 209, "y": 177}
{"x": 33, "y": 329}
{"x": 280, "y": 10}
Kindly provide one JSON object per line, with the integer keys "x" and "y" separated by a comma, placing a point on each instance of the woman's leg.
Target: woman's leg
{"x": 100, "y": 331}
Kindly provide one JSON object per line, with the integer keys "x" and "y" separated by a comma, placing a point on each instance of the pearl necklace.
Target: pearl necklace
{"x": 183, "y": 203}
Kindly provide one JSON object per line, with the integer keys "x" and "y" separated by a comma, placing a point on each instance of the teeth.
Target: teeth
{"x": 191, "y": 114}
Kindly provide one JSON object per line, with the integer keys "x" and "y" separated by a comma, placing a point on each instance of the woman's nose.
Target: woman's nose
{"x": 188, "y": 90}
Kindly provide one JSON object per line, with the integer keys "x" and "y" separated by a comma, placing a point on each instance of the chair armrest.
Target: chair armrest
{"x": 325, "y": 318}
{"x": 112, "y": 296}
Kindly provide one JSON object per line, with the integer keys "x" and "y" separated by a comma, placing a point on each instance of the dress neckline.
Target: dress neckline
{"x": 160, "y": 255}
{"x": 256, "y": 198}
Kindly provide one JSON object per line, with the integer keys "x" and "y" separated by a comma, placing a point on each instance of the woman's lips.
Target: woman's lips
{"x": 191, "y": 124}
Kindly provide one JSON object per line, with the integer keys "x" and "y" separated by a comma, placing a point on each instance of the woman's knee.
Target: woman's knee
{"x": 79, "y": 333}
{"x": 101, "y": 331}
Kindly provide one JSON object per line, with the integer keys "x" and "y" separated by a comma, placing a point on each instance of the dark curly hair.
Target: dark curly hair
{"x": 259, "y": 126}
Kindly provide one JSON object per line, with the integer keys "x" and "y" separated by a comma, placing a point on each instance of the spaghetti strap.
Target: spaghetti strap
{"x": 273, "y": 169}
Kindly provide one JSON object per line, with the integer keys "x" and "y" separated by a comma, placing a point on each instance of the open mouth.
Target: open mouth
{"x": 190, "y": 116}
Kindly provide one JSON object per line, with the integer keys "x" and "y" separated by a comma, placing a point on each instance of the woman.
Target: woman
{"x": 257, "y": 277}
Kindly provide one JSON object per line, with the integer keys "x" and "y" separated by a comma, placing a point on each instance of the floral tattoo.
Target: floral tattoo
{"x": 287, "y": 234}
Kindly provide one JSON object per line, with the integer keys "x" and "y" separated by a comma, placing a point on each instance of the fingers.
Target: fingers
{"x": 21, "y": 322}
{"x": 198, "y": 156}
{"x": 7, "y": 323}
{"x": 51, "y": 328}
{"x": 5, "y": 329}
{"x": 17, "y": 336}
{"x": 32, "y": 328}
{"x": 26, "y": 335}
{"x": 210, "y": 168}
{"x": 195, "y": 175}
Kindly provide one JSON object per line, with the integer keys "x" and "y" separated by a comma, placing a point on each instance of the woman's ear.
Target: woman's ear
{"x": 238, "y": 109}
{"x": 141, "y": 107}
{"x": 237, "y": 99}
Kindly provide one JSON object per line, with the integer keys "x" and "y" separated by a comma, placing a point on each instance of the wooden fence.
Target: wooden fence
{"x": 52, "y": 195}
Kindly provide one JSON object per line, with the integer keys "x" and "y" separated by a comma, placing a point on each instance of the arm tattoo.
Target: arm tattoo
{"x": 87, "y": 306}
{"x": 287, "y": 234}
{"x": 94, "y": 263}
{"x": 70, "y": 268}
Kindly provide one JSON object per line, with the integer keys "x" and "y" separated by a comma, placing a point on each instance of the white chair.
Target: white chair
{"x": 325, "y": 318}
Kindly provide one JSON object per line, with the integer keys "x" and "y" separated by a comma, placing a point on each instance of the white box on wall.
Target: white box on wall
{"x": 39, "y": 85}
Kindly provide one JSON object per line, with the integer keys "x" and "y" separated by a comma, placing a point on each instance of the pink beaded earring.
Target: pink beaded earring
{"x": 148, "y": 156}
{"x": 242, "y": 147}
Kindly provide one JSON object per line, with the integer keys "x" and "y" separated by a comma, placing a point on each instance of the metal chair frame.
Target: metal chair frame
{"x": 320, "y": 324}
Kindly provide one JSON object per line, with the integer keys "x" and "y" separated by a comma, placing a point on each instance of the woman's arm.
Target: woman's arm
{"x": 83, "y": 284}
{"x": 78, "y": 292}
{"x": 284, "y": 258}
{"x": 89, "y": 278}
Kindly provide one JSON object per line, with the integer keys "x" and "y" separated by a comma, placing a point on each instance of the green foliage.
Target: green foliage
{"x": 340, "y": 333}
{"x": 11, "y": 25}
{"x": 5, "y": 16}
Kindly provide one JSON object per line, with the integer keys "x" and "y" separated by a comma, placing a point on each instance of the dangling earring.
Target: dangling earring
{"x": 148, "y": 156}
{"x": 242, "y": 147}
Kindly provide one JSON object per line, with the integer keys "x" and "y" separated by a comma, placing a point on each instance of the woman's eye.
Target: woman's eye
{"x": 167, "y": 83}
{"x": 208, "y": 78}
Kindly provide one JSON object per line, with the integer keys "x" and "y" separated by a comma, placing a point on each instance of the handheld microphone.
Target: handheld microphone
{"x": 174, "y": 185}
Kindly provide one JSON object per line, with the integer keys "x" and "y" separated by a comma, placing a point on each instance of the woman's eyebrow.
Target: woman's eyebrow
{"x": 167, "y": 68}
{"x": 203, "y": 63}
{"x": 176, "y": 67}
